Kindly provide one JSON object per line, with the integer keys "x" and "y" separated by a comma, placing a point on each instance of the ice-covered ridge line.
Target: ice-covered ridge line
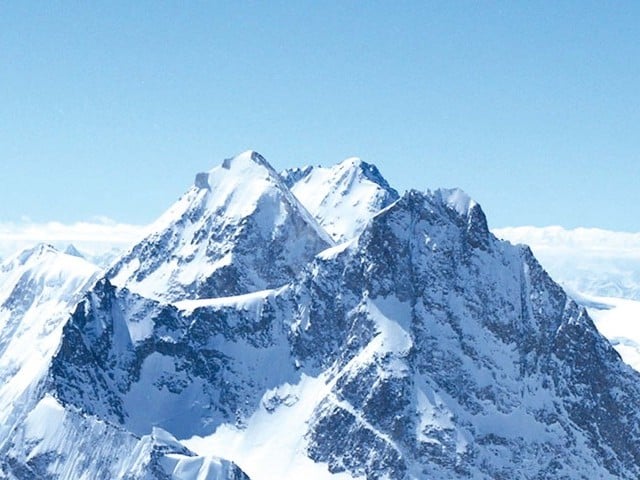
{"x": 238, "y": 230}
{"x": 93, "y": 449}
{"x": 234, "y": 187}
{"x": 39, "y": 287}
{"x": 202, "y": 178}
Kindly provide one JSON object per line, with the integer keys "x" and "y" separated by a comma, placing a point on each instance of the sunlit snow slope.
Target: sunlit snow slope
{"x": 205, "y": 244}
{"x": 342, "y": 198}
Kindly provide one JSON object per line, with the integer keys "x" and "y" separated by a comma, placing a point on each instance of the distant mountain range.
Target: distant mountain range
{"x": 601, "y": 270}
{"x": 586, "y": 260}
{"x": 309, "y": 324}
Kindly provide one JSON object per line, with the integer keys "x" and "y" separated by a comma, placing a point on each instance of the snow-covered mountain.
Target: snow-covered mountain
{"x": 423, "y": 347}
{"x": 206, "y": 244}
{"x": 41, "y": 438}
{"x": 99, "y": 241}
{"x": 39, "y": 287}
{"x": 342, "y": 198}
{"x": 55, "y": 441}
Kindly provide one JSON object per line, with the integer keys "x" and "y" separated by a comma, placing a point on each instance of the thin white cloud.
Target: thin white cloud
{"x": 96, "y": 238}
{"x": 594, "y": 241}
{"x": 585, "y": 260}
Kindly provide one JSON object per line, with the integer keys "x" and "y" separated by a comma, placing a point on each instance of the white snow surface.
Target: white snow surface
{"x": 95, "y": 449}
{"x": 272, "y": 445}
{"x": 342, "y": 198}
{"x": 247, "y": 301}
{"x": 199, "y": 234}
{"x": 39, "y": 287}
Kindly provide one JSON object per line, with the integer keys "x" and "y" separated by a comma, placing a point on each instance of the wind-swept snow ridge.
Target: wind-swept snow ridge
{"x": 342, "y": 198}
{"x": 237, "y": 230}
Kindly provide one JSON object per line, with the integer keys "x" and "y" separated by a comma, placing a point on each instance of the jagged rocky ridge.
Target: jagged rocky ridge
{"x": 421, "y": 347}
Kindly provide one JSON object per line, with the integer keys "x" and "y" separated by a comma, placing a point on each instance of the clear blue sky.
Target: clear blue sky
{"x": 110, "y": 108}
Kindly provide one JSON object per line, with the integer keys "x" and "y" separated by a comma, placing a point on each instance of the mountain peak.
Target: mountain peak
{"x": 453, "y": 204}
{"x": 249, "y": 160}
{"x": 354, "y": 161}
{"x": 36, "y": 251}
{"x": 205, "y": 245}
{"x": 247, "y": 156}
{"x": 342, "y": 198}
{"x": 420, "y": 347}
{"x": 73, "y": 251}
{"x": 368, "y": 170}
{"x": 246, "y": 162}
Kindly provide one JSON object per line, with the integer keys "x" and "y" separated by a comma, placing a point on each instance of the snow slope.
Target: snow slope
{"x": 85, "y": 448}
{"x": 206, "y": 244}
{"x": 342, "y": 198}
{"x": 42, "y": 438}
{"x": 38, "y": 289}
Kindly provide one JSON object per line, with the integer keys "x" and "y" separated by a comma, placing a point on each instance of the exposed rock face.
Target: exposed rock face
{"x": 461, "y": 350}
{"x": 423, "y": 347}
